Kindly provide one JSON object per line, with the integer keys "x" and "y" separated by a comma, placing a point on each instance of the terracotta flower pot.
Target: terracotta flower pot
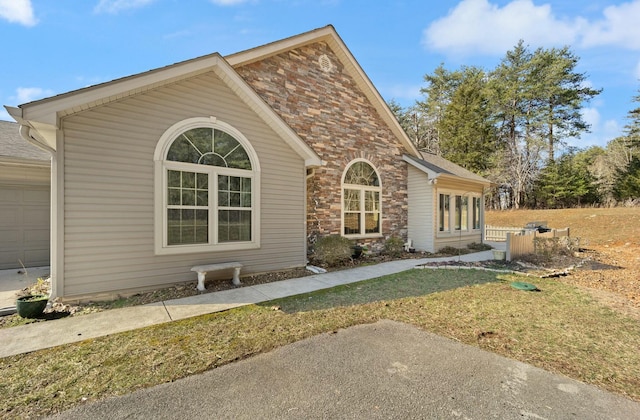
{"x": 31, "y": 306}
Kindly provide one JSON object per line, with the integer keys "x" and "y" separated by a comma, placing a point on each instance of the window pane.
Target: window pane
{"x": 202, "y": 198}
{"x": 187, "y": 226}
{"x": 351, "y": 200}
{"x": 223, "y": 199}
{"x": 223, "y": 183}
{"x": 371, "y": 201}
{"x": 224, "y": 143}
{"x": 188, "y": 180}
{"x": 202, "y": 226}
{"x": 351, "y": 223}
{"x": 372, "y": 223}
{"x": 234, "y": 225}
{"x": 444, "y": 213}
{"x": 234, "y": 191}
{"x": 234, "y": 199}
{"x": 457, "y": 212}
{"x": 201, "y": 139}
{"x": 476, "y": 213}
{"x": 174, "y": 197}
{"x": 246, "y": 185}
{"x": 202, "y": 181}
{"x": 182, "y": 150}
{"x": 213, "y": 159}
{"x": 188, "y": 197}
{"x": 361, "y": 173}
{"x": 234, "y": 183}
{"x": 245, "y": 199}
{"x": 173, "y": 178}
{"x": 238, "y": 159}
{"x": 464, "y": 213}
{"x": 230, "y": 151}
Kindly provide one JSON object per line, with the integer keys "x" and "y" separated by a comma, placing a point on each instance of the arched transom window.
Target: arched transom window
{"x": 208, "y": 187}
{"x": 361, "y": 200}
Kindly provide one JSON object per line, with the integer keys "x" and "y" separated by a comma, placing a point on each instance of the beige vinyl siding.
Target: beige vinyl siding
{"x": 109, "y": 190}
{"x": 421, "y": 210}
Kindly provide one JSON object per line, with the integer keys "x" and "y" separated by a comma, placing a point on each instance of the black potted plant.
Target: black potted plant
{"x": 358, "y": 250}
{"x": 31, "y": 306}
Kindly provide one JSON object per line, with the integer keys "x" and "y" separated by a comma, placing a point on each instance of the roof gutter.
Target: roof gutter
{"x": 25, "y": 130}
{"x": 25, "y": 133}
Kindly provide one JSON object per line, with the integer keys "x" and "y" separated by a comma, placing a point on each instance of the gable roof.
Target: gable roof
{"x": 42, "y": 116}
{"x": 14, "y": 149}
{"x": 329, "y": 35}
{"x": 436, "y": 166}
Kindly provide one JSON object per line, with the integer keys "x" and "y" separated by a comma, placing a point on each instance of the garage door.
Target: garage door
{"x": 24, "y": 226}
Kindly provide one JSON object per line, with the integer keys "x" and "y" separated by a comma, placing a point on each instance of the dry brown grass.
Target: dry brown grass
{"x": 560, "y": 329}
{"x": 612, "y": 237}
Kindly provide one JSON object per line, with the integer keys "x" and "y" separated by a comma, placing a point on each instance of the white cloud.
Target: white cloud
{"x": 619, "y": 27}
{"x": 612, "y": 129}
{"x": 601, "y": 132}
{"x": 24, "y": 95}
{"x": 592, "y": 117}
{"x": 482, "y": 27}
{"x": 19, "y": 11}
{"x": 116, "y": 6}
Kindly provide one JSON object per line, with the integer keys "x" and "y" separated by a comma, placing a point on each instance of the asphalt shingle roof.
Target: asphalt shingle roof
{"x": 12, "y": 145}
{"x": 441, "y": 165}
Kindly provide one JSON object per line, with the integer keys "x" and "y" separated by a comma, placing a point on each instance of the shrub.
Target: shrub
{"x": 394, "y": 246}
{"x": 449, "y": 250}
{"x": 332, "y": 250}
{"x": 550, "y": 247}
{"x": 473, "y": 246}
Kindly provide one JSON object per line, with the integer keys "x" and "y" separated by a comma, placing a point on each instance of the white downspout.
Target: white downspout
{"x": 25, "y": 133}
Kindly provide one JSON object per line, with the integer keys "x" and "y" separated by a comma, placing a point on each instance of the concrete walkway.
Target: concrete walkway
{"x": 41, "y": 335}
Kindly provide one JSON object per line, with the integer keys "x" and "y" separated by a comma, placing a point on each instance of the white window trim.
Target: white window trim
{"x": 161, "y": 165}
{"x": 470, "y": 230}
{"x": 361, "y": 188}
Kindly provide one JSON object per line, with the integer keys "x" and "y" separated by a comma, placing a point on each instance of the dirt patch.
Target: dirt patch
{"x": 610, "y": 271}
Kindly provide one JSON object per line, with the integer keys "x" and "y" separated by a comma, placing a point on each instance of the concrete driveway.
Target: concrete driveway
{"x": 383, "y": 370}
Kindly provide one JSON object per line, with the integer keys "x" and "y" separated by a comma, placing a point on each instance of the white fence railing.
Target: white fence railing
{"x": 520, "y": 241}
{"x": 499, "y": 233}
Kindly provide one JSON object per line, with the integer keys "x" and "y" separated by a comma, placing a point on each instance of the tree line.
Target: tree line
{"x": 511, "y": 125}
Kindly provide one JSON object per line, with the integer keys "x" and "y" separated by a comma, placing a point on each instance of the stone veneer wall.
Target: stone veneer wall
{"x": 325, "y": 107}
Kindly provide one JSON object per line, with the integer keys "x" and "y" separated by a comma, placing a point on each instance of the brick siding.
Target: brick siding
{"x": 329, "y": 112}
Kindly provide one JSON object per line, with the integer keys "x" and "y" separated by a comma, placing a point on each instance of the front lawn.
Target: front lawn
{"x": 560, "y": 329}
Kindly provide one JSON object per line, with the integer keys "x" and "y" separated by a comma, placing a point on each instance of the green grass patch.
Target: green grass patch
{"x": 559, "y": 329}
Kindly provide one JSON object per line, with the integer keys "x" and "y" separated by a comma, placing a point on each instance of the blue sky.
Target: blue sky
{"x": 51, "y": 47}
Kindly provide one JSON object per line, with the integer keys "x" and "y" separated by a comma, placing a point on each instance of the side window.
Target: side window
{"x": 455, "y": 213}
{"x": 361, "y": 200}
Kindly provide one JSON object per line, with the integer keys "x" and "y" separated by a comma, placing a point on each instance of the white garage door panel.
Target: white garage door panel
{"x": 24, "y": 226}
{"x": 9, "y": 215}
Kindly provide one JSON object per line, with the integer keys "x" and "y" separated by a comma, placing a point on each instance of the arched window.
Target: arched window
{"x": 207, "y": 178}
{"x": 361, "y": 200}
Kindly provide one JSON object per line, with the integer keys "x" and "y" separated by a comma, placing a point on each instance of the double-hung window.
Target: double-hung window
{"x": 206, "y": 180}
{"x": 361, "y": 201}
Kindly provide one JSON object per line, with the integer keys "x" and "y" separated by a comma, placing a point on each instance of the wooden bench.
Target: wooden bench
{"x": 202, "y": 271}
